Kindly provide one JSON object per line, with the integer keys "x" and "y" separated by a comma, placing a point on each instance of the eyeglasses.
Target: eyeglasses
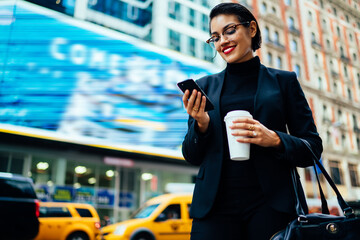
{"x": 226, "y": 34}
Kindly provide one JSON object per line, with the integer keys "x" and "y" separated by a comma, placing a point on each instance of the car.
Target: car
{"x": 19, "y": 207}
{"x": 165, "y": 217}
{"x": 68, "y": 221}
{"x": 355, "y": 206}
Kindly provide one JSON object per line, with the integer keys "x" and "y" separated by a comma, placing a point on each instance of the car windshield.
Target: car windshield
{"x": 145, "y": 211}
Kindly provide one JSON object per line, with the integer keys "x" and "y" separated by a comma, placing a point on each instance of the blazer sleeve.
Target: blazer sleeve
{"x": 195, "y": 142}
{"x": 300, "y": 124}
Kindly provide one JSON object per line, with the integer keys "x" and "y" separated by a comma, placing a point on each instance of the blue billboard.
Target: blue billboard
{"x": 73, "y": 80}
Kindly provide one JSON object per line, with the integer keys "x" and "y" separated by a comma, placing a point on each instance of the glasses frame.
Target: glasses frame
{"x": 209, "y": 41}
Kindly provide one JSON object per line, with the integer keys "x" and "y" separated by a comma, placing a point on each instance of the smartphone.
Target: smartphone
{"x": 190, "y": 84}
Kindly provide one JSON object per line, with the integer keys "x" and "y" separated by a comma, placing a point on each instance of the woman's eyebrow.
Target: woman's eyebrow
{"x": 223, "y": 28}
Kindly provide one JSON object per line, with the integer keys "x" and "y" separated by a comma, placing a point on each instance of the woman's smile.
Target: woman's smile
{"x": 228, "y": 49}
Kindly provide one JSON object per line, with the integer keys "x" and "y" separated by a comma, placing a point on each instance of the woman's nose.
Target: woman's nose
{"x": 223, "y": 40}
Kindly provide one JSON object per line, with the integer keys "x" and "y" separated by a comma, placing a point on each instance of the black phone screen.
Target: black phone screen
{"x": 190, "y": 84}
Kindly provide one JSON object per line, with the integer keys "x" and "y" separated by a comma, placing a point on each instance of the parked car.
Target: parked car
{"x": 68, "y": 221}
{"x": 19, "y": 207}
{"x": 355, "y": 206}
{"x": 165, "y": 217}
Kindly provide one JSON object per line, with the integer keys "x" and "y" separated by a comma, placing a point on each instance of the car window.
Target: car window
{"x": 188, "y": 208}
{"x": 172, "y": 212}
{"x": 83, "y": 212}
{"x": 16, "y": 189}
{"x": 145, "y": 211}
{"x": 54, "y": 212}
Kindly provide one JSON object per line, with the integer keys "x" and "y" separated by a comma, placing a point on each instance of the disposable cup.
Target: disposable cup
{"x": 238, "y": 151}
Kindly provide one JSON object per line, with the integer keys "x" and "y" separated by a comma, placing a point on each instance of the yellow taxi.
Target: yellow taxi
{"x": 165, "y": 217}
{"x": 68, "y": 221}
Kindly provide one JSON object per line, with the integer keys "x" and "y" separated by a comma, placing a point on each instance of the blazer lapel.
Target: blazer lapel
{"x": 264, "y": 84}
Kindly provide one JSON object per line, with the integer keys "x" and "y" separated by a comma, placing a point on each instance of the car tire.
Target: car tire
{"x": 78, "y": 236}
{"x": 143, "y": 236}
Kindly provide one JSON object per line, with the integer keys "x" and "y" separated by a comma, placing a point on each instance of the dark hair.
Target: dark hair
{"x": 243, "y": 14}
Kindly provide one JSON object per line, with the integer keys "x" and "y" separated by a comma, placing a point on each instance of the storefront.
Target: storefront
{"x": 116, "y": 183}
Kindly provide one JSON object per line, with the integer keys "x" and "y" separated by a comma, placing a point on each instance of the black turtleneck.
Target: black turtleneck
{"x": 240, "y": 86}
{"x": 238, "y": 93}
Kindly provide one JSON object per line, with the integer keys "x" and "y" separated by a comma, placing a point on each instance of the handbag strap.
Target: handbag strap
{"x": 347, "y": 210}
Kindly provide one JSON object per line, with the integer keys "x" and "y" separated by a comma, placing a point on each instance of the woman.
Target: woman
{"x": 250, "y": 199}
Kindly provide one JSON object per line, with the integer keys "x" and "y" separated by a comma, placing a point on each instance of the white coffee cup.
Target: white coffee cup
{"x": 238, "y": 151}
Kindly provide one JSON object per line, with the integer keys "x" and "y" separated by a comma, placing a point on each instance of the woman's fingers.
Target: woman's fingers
{"x": 185, "y": 98}
{"x": 203, "y": 104}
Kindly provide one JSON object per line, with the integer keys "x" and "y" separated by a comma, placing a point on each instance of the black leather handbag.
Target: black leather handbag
{"x": 318, "y": 226}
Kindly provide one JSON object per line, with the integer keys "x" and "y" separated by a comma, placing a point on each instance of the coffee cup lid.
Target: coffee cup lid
{"x": 237, "y": 113}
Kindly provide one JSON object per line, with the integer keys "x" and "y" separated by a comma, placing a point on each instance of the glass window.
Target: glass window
{"x": 291, "y": 22}
{"x": 11, "y": 162}
{"x": 338, "y": 31}
{"x": 175, "y": 10}
{"x": 269, "y": 58}
{"x": 276, "y": 37}
{"x": 293, "y": 46}
{"x": 346, "y": 71}
{"x": 354, "y": 121}
{"x": 205, "y": 23}
{"x": 106, "y": 176}
{"x": 354, "y": 176}
{"x": 42, "y": 170}
{"x": 279, "y": 62}
{"x": 84, "y": 174}
{"x": 354, "y": 57}
{"x": 328, "y": 44}
{"x": 324, "y": 24}
{"x": 320, "y": 83}
{"x": 328, "y": 137}
{"x": 191, "y": 17}
{"x": 205, "y": 3}
{"x": 309, "y": 16}
{"x": 349, "y": 93}
{"x": 335, "y": 172}
{"x": 83, "y": 212}
{"x": 16, "y": 189}
{"x": 192, "y": 46}
{"x": 174, "y": 40}
{"x": 266, "y": 34}
{"x": 288, "y": 2}
{"x": 145, "y": 211}
{"x": 188, "y": 209}
{"x": 263, "y": 8}
{"x": 313, "y": 37}
{"x": 335, "y": 88}
{"x": 317, "y": 58}
{"x": 172, "y": 211}
{"x": 334, "y": 11}
{"x": 273, "y": 9}
{"x": 208, "y": 52}
{"x": 54, "y": 212}
{"x": 297, "y": 70}
{"x": 343, "y": 141}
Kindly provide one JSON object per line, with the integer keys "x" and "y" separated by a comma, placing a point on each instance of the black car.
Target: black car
{"x": 356, "y": 206}
{"x": 19, "y": 208}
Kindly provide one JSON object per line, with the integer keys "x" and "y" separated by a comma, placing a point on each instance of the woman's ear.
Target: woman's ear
{"x": 253, "y": 28}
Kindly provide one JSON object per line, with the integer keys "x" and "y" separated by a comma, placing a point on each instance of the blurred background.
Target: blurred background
{"x": 89, "y": 107}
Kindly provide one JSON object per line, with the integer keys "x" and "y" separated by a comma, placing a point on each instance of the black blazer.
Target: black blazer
{"x": 281, "y": 106}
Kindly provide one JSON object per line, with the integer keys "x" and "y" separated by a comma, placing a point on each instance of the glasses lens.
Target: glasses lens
{"x": 212, "y": 44}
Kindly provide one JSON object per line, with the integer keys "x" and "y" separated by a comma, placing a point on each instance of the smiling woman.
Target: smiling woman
{"x": 250, "y": 199}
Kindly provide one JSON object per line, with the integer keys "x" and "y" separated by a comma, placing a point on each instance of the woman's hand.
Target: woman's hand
{"x": 195, "y": 107}
{"x": 254, "y": 132}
